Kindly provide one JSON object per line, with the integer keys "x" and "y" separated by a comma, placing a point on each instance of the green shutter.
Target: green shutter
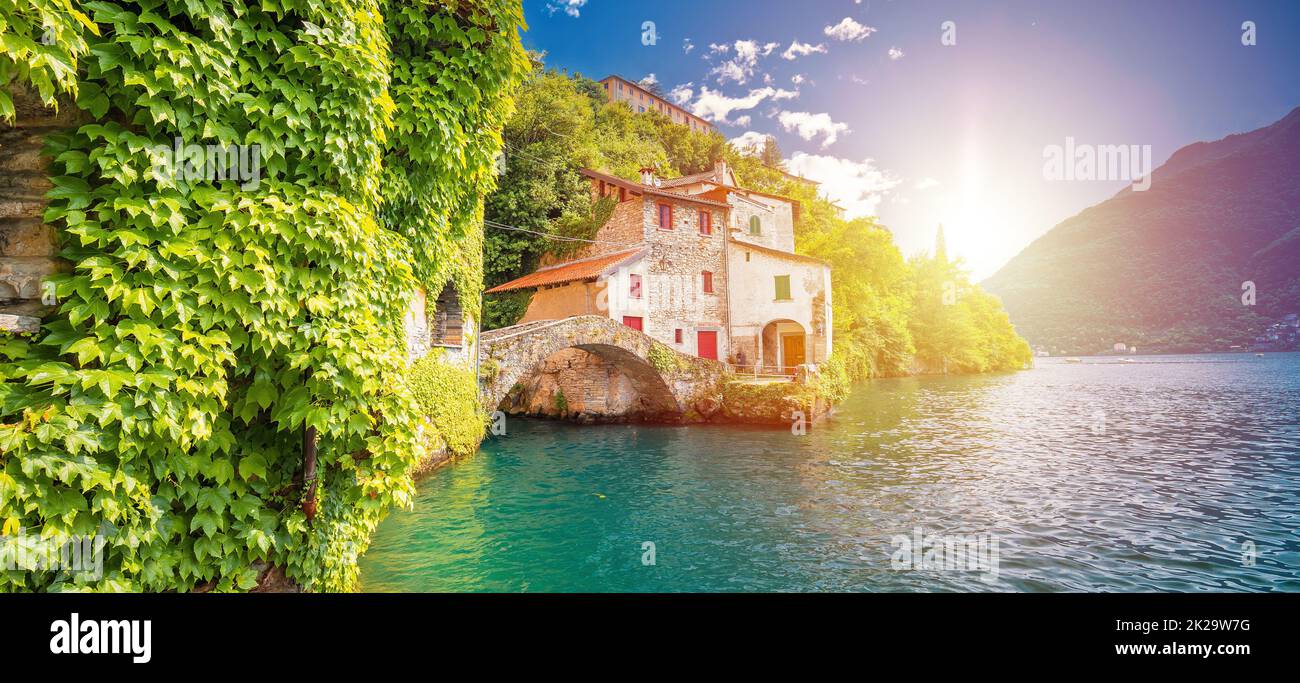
{"x": 782, "y": 287}
{"x": 755, "y": 225}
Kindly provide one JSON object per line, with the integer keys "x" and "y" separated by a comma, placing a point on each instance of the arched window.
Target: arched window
{"x": 755, "y": 226}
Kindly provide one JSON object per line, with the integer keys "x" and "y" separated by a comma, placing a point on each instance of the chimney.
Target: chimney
{"x": 720, "y": 171}
{"x": 648, "y": 176}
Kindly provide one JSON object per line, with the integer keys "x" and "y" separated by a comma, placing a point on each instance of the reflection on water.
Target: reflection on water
{"x": 1146, "y": 476}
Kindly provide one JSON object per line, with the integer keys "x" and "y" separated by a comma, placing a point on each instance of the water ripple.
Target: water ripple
{"x": 1173, "y": 474}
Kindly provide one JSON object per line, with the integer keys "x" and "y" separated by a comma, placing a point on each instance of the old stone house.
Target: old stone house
{"x": 699, "y": 263}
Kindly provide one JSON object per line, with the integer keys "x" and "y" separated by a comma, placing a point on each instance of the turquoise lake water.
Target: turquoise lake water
{"x": 1171, "y": 473}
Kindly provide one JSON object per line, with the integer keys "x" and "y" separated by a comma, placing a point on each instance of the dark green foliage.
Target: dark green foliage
{"x": 505, "y": 308}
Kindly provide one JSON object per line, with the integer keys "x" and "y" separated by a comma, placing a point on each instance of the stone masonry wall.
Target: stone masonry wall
{"x": 675, "y": 261}
{"x": 28, "y": 247}
{"x": 593, "y": 390}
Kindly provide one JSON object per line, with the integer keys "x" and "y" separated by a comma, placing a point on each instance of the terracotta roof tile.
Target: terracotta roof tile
{"x": 584, "y": 269}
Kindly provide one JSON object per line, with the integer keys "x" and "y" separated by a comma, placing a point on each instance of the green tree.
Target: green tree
{"x": 771, "y": 153}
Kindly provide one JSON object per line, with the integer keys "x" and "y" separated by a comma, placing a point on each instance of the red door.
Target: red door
{"x": 632, "y": 321}
{"x": 707, "y": 345}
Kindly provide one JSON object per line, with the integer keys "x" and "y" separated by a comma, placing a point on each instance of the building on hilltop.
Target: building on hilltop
{"x": 700, "y": 264}
{"x": 619, "y": 89}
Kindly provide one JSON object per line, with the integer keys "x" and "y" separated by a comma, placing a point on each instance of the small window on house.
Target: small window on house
{"x": 782, "y": 287}
{"x": 634, "y": 285}
{"x": 677, "y": 335}
{"x": 708, "y": 282}
{"x": 622, "y": 194}
{"x": 746, "y": 257}
{"x": 666, "y": 216}
{"x": 706, "y": 222}
{"x": 602, "y": 188}
{"x": 755, "y": 226}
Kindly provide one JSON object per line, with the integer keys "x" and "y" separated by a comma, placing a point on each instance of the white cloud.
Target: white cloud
{"x": 740, "y": 68}
{"x": 798, "y": 49}
{"x": 895, "y": 53}
{"x": 743, "y": 120}
{"x": 648, "y": 81}
{"x": 682, "y": 93}
{"x": 798, "y": 79}
{"x": 572, "y": 8}
{"x": 809, "y": 126}
{"x": 712, "y": 105}
{"x": 925, "y": 184}
{"x": 848, "y": 29}
{"x": 687, "y": 46}
{"x": 730, "y": 71}
{"x": 749, "y": 142}
{"x": 859, "y": 187}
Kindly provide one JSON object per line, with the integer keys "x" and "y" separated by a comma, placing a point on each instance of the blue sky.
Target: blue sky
{"x": 900, "y": 125}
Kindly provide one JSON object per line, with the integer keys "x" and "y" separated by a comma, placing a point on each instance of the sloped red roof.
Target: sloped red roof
{"x": 584, "y": 269}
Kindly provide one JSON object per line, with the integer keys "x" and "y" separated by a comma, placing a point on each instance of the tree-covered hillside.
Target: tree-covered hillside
{"x": 1166, "y": 269}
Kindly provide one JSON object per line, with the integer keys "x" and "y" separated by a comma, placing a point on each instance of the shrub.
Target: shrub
{"x": 448, "y": 396}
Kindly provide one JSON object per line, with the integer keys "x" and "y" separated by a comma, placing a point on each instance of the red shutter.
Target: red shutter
{"x": 708, "y": 282}
{"x": 677, "y": 335}
{"x": 666, "y": 216}
{"x": 634, "y": 286}
{"x": 706, "y": 222}
{"x": 632, "y": 321}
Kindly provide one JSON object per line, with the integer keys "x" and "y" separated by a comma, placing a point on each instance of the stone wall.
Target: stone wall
{"x": 578, "y": 385}
{"x": 611, "y": 373}
{"x": 776, "y": 222}
{"x": 28, "y": 247}
{"x": 675, "y": 260}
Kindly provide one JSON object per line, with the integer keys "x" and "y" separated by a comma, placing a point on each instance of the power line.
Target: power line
{"x": 561, "y": 238}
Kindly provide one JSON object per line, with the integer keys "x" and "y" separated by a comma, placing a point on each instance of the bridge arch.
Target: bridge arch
{"x": 671, "y": 383}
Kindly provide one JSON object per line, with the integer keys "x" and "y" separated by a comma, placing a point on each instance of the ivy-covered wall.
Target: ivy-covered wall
{"x": 208, "y": 327}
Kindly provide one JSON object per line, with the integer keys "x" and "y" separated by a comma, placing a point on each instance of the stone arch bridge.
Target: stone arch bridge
{"x": 675, "y": 386}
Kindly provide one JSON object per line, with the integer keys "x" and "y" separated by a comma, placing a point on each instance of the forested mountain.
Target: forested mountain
{"x": 1164, "y": 269}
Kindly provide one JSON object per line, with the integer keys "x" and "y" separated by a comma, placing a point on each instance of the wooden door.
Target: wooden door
{"x": 792, "y": 350}
{"x": 707, "y": 344}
